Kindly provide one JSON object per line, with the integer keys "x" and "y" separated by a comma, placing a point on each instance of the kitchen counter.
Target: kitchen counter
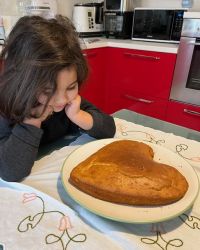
{"x": 99, "y": 42}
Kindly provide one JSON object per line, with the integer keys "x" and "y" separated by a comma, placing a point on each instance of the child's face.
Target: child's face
{"x": 66, "y": 91}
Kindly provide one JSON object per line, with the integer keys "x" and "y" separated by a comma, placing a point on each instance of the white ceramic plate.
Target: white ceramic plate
{"x": 126, "y": 213}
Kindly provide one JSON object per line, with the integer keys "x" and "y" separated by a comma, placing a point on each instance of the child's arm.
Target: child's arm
{"x": 78, "y": 116}
{"x": 18, "y": 149}
{"x": 88, "y": 117}
{"x": 19, "y": 144}
{"x": 41, "y": 115}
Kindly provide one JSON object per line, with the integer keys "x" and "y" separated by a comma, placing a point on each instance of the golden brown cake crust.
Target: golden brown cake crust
{"x": 124, "y": 172}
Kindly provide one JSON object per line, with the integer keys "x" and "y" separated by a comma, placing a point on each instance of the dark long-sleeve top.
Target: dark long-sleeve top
{"x": 19, "y": 143}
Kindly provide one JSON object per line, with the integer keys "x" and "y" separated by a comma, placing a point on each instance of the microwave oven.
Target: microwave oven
{"x": 161, "y": 25}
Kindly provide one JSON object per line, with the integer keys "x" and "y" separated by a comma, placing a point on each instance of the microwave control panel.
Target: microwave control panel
{"x": 177, "y": 24}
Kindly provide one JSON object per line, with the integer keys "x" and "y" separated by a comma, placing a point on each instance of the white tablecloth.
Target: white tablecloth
{"x": 39, "y": 214}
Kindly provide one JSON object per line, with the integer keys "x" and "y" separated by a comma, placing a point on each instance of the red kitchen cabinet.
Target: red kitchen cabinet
{"x": 184, "y": 114}
{"x": 147, "y": 105}
{"x": 94, "y": 88}
{"x": 139, "y": 80}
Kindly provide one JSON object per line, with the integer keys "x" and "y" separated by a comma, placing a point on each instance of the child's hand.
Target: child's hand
{"x": 39, "y": 115}
{"x": 73, "y": 108}
{"x": 80, "y": 117}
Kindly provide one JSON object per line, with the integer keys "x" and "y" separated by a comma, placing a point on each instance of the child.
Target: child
{"x": 39, "y": 101}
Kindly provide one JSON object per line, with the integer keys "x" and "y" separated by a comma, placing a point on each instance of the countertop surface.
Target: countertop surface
{"x": 100, "y": 42}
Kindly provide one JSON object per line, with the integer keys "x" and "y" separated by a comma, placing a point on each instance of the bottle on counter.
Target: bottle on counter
{"x": 187, "y": 3}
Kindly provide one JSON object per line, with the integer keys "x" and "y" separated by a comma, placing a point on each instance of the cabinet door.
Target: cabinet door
{"x": 184, "y": 115}
{"x": 134, "y": 101}
{"x": 139, "y": 80}
{"x": 146, "y": 72}
{"x": 94, "y": 88}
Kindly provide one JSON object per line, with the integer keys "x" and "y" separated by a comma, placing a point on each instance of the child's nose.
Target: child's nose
{"x": 62, "y": 99}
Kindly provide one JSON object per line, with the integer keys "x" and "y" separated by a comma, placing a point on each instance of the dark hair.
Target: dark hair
{"x": 35, "y": 51}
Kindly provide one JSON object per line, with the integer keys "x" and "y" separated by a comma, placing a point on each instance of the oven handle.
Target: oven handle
{"x": 191, "y": 112}
{"x": 193, "y": 43}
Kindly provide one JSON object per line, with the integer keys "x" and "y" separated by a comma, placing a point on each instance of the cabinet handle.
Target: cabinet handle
{"x": 90, "y": 54}
{"x": 138, "y": 99}
{"x": 142, "y": 56}
{"x": 191, "y": 112}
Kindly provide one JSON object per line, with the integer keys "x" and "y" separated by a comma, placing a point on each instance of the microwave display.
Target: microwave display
{"x": 157, "y": 24}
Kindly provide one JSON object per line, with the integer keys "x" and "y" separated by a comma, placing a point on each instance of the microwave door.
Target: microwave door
{"x": 153, "y": 24}
{"x": 186, "y": 80}
{"x": 162, "y": 24}
{"x": 142, "y": 23}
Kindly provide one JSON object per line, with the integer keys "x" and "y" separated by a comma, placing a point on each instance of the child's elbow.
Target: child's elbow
{"x": 13, "y": 177}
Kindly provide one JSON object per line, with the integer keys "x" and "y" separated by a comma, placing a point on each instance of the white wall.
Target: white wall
{"x": 9, "y": 11}
{"x": 65, "y": 7}
{"x": 154, "y": 3}
{"x": 9, "y": 7}
{"x": 165, "y": 4}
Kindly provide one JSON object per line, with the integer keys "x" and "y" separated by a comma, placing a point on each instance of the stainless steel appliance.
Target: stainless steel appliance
{"x": 186, "y": 80}
{"x": 161, "y": 25}
{"x": 88, "y": 19}
{"x": 118, "y": 18}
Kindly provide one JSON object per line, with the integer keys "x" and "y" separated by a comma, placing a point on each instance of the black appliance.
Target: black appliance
{"x": 162, "y": 25}
{"x": 118, "y": 18}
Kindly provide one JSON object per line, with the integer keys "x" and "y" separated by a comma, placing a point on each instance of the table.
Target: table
{"x": 157, "y": 124}
{"x": 39, "y": 214}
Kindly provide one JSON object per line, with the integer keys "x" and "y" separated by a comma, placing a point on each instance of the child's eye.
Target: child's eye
{"x": 72, "y": 87}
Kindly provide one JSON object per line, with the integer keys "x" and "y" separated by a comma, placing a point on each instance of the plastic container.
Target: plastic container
{"x": 47, "y": 9}
{"x": 21, "y": 6}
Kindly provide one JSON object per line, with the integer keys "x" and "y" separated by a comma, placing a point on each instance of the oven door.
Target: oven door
{"x": 152, "y": 24}
{"x": 186, "y": 80}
